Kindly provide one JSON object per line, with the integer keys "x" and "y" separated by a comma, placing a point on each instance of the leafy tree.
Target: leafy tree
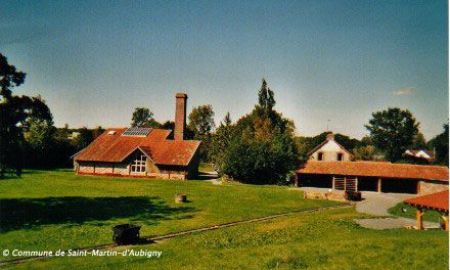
{"x": 168, "y": 125}
{"x": 40, "y": 137}
{"x": 85, "y": 138}
{"x": 364, "y": 152}
{"x": 15, "y": 113}
{"x": 201, "y": 121}
{"x": 259, "y": 148}
{"x": 393, "y": 131}
{"x": 419, "y": 141}
{"x": 440, "y": 144}
{"x": 220, "y": 143}
{"x": 143, "y": 117}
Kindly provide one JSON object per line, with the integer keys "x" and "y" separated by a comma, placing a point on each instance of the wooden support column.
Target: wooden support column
{"x": 356, "y": 184}
{"x": 333, "y": 183}
{"x": 445, "y": 219}
{"x": 419, "y": 219}
{"x": 296, "y": 180}
{"x": 379, "y": 185}
{"x": 418, "y": 187}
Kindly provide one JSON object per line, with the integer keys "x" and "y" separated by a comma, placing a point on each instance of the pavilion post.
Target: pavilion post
{"x": 445, "y": 219}
{"x": 379, "y": 185}
{"x": 333, "y": 185}
{"x": 296, "y": 180}
{"x": 419, "y": 219}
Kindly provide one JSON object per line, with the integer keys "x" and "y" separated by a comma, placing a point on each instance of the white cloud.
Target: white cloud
{"x": 406, "y": 91}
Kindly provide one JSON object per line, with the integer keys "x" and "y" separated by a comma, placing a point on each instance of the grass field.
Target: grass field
{"x": 429, "y": 215}
{"x": 58, "y": 210}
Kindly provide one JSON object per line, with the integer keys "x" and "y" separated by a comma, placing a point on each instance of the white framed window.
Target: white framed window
{"x": 138, "y": 165}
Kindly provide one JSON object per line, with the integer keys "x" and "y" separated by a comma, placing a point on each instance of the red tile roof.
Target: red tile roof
{"x": 436, "y": 201}
{"x": 115, "y": 148}
{"x": 376, "y": 169}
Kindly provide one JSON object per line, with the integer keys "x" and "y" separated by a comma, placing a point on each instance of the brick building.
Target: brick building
{"x": 373, "y": 176}
{"x": 143, "y": 152}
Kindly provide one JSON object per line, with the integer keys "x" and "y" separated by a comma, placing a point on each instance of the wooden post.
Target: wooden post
{"x": 419, "y": 219}
{"x": 379, "y": 185}
{"x": 356, "y": 184}
{"x": 333, "y": 185}
{"x": 418, "y": 187}
{"x": 296, "y": 180}
{"x": 445, "y": 218}
{"x": 345, "y": 183}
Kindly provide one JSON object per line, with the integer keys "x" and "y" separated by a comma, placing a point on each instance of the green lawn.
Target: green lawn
{"x": 52, "y": 210}
{"x": 58, "y": 210}
{"x": 327, "y": 240}
{"x": 429, "y": 215}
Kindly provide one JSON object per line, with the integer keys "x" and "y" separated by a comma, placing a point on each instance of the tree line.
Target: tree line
{"x": 259, "y": 147}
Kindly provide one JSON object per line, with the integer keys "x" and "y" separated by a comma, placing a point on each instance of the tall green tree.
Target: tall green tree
{"x": 259, "y": 148}
{"x": 85, "y": 138}
{"x": 220, "y": 143}
{"x": 15, "y": 112}
{"x": 201, "y": 124}
{"x": 440, "y": 145}
{"x": 419, "y": 141}
{"x": 40, "y": 138}
{"x": 393, "y": 131}
{"x": 201, "y": 121}
{"x": 143, "y": 117}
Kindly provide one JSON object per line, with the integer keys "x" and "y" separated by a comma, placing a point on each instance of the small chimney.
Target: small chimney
{"x": 180, "y": 116}
{"x": 330, "y": 136}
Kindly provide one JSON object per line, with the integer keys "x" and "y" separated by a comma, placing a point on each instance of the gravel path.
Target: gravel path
{"x": 377, "y": 204}
{"x": 392, "y": 223}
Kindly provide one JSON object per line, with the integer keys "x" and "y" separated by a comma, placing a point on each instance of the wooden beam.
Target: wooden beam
{"x": 419, "y": 219}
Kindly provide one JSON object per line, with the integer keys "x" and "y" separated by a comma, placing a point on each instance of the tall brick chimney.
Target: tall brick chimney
{"x": 180, "y": 116}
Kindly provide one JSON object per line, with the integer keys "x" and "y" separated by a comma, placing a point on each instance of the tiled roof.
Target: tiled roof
{"x": 375, "y": 169}
{"x": 110, "y": 147}
{"x": 437, "y": 201}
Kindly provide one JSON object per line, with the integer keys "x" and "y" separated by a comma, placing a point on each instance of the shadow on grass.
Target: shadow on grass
{"x": 206, "y": 176}
{"x": 29, "y": 213}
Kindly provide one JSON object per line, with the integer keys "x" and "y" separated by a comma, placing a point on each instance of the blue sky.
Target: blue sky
{"x": 95, "y": 61}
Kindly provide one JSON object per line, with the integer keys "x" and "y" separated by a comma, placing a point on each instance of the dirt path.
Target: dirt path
{"x": 153, "y": 239}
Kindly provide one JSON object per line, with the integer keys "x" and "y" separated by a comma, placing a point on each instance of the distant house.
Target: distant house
{"x": 142, "y": 152}
{"x": 329, "y": 150}
{"x": 420, "y": 155}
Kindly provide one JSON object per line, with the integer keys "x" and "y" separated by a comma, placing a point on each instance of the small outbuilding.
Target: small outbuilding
{"x": 435, "y": 201}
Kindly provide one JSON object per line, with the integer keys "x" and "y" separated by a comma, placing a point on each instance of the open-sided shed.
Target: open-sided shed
{"x": 436, "y": 201}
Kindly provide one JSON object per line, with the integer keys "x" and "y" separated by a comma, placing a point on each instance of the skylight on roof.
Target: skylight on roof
{"x": 137, "y": 131}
